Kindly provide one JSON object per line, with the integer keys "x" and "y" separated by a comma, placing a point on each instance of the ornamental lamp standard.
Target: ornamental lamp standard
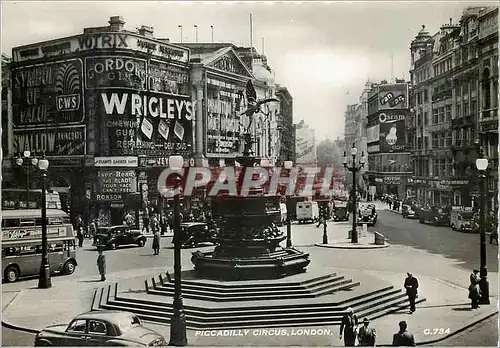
{"x": 354, "y": 168}
{"x": 288, "y": 166}
{"x": 482, "y": 165}
{"x": 44, "y": 281}
{"x": 27, "y": 161}
{"x": 178, "y": 335}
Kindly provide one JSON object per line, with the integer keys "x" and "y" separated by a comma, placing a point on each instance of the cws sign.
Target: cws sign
{"x": 48, "y": 94}
{"x": 392, "y": 130}
{"x": 393, "y": 96}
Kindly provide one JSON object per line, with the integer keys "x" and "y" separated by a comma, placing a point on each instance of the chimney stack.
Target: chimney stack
{"x": 116, "y": 23}
{"x": 146, "y": 31}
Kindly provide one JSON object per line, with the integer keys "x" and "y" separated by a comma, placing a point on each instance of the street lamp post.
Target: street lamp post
{"x": 288, "y": 166}
{"x": 27, "y": 160}
{"x": 178, "y": 336}
{"x": 482, "y": 165}
{"x": 44, "y": 281}
{"x": 354, "y": 168}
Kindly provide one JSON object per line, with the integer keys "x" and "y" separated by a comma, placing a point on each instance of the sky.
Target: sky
{"x": 322, "y": 52}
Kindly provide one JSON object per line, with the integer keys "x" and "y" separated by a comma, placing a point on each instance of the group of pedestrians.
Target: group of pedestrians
{"x": 367, "y": 335}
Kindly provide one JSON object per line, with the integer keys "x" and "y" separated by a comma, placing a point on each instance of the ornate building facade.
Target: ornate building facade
{"x": 446, "y": 90}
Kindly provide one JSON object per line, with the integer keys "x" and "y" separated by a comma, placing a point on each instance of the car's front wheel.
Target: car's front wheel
{"x": 112, "y": 246}
{"x": 69, "y": 267}
{"x": 141, "y": 242}
{"x": 11, "y": 274}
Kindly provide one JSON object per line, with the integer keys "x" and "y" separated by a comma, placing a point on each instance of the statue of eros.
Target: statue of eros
{"x": 254, "y": 107}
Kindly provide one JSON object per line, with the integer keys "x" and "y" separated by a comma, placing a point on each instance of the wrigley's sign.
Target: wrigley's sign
{"x": 101, "y": 41}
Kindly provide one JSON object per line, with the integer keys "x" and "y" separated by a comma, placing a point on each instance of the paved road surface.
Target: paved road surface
{"x": 439, "y": 240}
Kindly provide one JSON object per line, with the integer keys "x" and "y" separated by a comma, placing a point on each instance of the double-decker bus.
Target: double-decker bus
{"x": 31, "y": 199}
{"x": 22, "y": 243}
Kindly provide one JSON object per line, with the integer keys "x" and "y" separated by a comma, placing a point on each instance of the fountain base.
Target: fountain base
{"x": 279, "y": 263}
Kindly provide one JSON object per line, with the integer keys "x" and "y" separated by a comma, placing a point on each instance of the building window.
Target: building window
{"x": 473, "y": 107}
{"x": 448, "y": 113}
{"x": 458, "y": 111}
{"x": 442, "y": 137}
{"x": 473, "y": 85}
{"x": 426, "y": 97}
{"x": 441, "y": 115}
{"x": 435, "y": 167}
{"x": 435, "y": 116}
{"x": 435, "y": 140}
{"x": 466, "y": 109}
{"x": 448, "y": 138}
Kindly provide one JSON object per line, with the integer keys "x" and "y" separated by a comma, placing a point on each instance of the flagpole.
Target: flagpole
{"x": 251, "y": 35}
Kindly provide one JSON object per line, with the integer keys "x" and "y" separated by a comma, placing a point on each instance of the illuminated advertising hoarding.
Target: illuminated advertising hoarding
{"x": 49, "y": 94}
{"x": 393, "y": 96}
{"x": 392, "y": 130}
{"x": 147, "y": 123}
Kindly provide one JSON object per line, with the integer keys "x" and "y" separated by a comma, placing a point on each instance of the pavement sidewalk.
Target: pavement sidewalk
{"x": 445, "y": 311}
{"x": 339, "y": 237}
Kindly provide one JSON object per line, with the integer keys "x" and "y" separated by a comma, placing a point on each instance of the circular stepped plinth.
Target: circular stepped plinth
{"x": 279, "y": 263}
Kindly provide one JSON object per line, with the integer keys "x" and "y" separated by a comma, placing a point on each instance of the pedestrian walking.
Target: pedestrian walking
{"x": 403, "y": 338}
{"x": 156, "y": 242}
{"x": 145, "y": 221}
{"x": 348, "y": 328}
{"x": 101, "y": 263}
{"x": 79, "y": 231}
{"x": 92, "y": 229}
{"x": 474, "y": 290}
{"x": 367, "y": 335}
{"x": 411, "y": 286}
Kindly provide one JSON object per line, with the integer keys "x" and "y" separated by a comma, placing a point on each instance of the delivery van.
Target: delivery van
{"x": 307, "y": 211}
{"x": 461, "y": 218}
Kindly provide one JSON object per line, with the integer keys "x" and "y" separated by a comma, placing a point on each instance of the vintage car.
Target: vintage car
{"x": 410, "y": 209}
{"x": 461, "y": 218}
{"x": 340, "y": 212}
{"x": 100, "y": 328}
{"x": 195, "y": 233}
{"x": 367, "y": 214}
{"x": 435, "y": 215}
{"x": 114, "y": 236}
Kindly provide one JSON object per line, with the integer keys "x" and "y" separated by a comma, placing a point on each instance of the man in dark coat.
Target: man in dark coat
{"x": 411, "y": 286}
{"x": 348, "y": 327}
{"x": 101, "y": 264}
{"x": 367, "y": 334}
{"x": 403, "y": 338}
{"x": 474, "y": 291}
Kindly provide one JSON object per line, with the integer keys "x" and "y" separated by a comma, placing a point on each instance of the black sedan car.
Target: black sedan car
{"x": 114, "y": 236}
{"x": 435, "y": 215}
{"x": 100, "y": 328}
{"x": 367, "y": 215}
{"x": 195, "y": 233}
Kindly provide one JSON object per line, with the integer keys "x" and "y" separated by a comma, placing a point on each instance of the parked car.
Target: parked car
{"x": 120, "y": 235}
{"x": 435, "y": 215}
{"x": 410, "y": 209}
{"x": 195, "y": 233}
{"x": 100, "y": 328}
{"x": 367, "y": 214}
